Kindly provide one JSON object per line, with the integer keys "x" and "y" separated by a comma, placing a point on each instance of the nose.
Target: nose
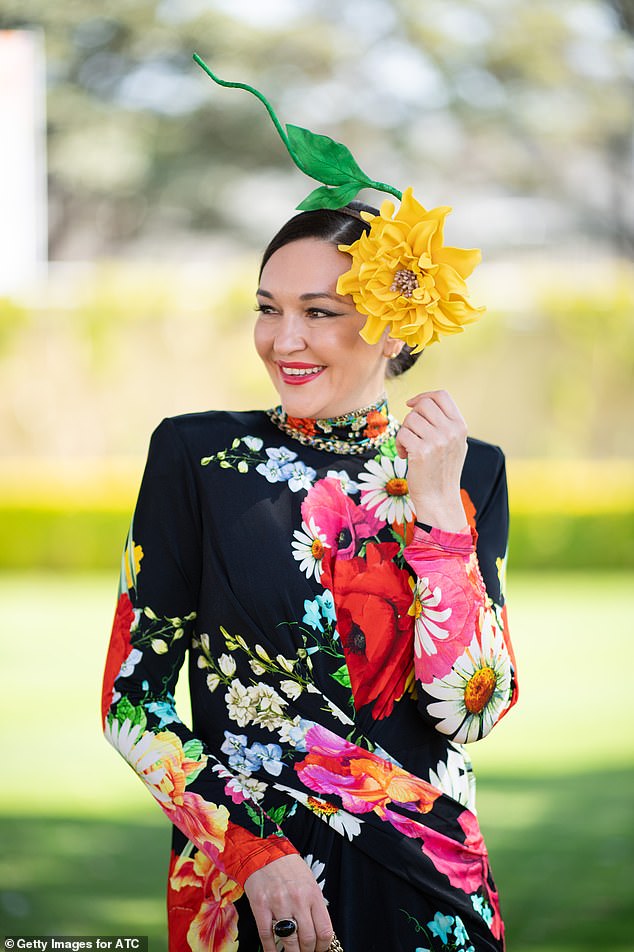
{"x": 289, "y": 334}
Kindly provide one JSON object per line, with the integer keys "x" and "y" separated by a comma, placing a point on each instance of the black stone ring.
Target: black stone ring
{"x": 282, "y": 928}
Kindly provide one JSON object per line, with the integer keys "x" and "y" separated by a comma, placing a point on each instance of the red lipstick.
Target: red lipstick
{"x": 296, "y": 373}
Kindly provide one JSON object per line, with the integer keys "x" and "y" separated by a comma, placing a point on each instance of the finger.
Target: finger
{"x": 441, "y": 399}
{"x": 323, "y": 927}
{"x": 401, "y": 449}
{"x": 426, "y": 420}
{"x": 289, "y": 943}
{"x": 407, "y": 443}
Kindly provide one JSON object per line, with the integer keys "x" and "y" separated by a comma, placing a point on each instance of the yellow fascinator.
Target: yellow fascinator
{"x": 402, "y": 276}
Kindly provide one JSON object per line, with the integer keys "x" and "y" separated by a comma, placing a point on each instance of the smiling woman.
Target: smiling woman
{"x": 309, "y": 340}
{"x": 335, "y": 577}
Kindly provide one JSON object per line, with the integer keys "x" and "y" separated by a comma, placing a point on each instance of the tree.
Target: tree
{"x": 521, "y": 101}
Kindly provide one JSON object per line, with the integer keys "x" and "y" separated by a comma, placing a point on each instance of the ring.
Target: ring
{"x": 282, "y": 928}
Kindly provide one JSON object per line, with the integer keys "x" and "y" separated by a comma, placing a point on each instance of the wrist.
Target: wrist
{"x": 448, "y": 516}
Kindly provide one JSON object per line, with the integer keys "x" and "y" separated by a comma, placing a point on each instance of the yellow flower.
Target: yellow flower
{"x": 404, "y": 279}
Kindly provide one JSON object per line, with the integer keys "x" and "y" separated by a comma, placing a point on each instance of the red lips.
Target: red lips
{"x": 296, "y": 373}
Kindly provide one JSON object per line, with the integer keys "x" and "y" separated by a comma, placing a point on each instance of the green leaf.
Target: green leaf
{"x": 342, "y": 676}
{"x": 193, "y": 749}
{"x": 278, "y": 814}
{"x": 324, "y": 159}
{"x": 256, "y": 816}
{"x": 324, "y": 197}
{"x": 126, "y": 711}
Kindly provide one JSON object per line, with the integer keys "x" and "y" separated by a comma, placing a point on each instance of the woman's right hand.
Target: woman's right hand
{"x": 287, "y": 889}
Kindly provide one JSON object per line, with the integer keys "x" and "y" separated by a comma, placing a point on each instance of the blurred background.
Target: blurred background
{"x": 135, "y": 197}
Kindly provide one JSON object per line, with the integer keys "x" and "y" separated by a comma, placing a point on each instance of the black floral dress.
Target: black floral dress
{"x": 339, "y": 655}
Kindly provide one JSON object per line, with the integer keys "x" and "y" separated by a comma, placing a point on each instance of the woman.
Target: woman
{"x": 318, "y": 565}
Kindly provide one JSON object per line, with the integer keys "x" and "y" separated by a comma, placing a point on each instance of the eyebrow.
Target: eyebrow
{"x": 309, "y": 296}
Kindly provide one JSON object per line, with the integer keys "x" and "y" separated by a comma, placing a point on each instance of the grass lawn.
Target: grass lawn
{"x": 84, "y": 849}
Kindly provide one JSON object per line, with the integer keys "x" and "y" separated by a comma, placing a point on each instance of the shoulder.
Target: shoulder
{"x": 210, "y": 429}
{"x": 201, "y": 434}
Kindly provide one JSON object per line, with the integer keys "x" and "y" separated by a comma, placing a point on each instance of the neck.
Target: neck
{"x": 358, "y": 431}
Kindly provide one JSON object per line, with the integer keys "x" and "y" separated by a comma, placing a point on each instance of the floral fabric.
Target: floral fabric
{"x": 338, "y": 656}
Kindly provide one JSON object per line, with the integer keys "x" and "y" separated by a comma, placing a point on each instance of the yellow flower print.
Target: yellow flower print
{"x": 130, "y": 563}
{"x": 404, "y": 278}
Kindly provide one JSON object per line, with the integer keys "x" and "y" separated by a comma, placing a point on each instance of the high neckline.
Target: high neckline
{"x": 356, "y": 432}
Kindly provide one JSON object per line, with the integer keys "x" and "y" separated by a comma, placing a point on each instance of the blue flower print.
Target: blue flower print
{"x": 327, "y": 605}
{"x": 321, "y": 609}
{"x": 300, "y": 476}
{"x": 235, "y": 746}
{"x": 441, "y": 926}
{"x": 281, "y": 455}
{"x": 248, "y": 760}
{"x": 459, "y": 932}
{"x": 477, "y": 903}
{"x": 312, "y": 614}
{"x": 282, "y": 465}
{"x": 253, "y": 442}
{"x": 270, "y": 470}
{"x": 348, "y": 484}
{"x": 294, "y": 733}
{"x": 165, "y": 710}
{"x": 481, "y": 905}
{"x": 267, "y": 756}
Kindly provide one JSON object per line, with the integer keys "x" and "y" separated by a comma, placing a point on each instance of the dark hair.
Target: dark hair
{"x": 341, "y": 226}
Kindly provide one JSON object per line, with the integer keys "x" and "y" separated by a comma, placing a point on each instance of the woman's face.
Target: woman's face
{"x": 308, "y": 335}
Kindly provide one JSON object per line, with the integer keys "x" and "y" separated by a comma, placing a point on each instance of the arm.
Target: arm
{"x": 463, "y": 661}
{"x": 154, "y": 623}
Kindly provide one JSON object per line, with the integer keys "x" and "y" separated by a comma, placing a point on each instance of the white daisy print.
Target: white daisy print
{"x": 455, "y": 778}
{"x": 472, "y": 697}
{"x": 385, "y": 489}
{"x": 316, "y": 868}
{"x": 340, "y": 820}
{"x": 309, "y": 548}
{"x": 142, "y": 750}
{"x": 427, "y": 617}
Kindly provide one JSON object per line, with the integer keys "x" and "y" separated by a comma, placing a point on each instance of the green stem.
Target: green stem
{"x": 263, "y": 100}
{"x": 367, "y": 183}
{"x": 382, "y": 187}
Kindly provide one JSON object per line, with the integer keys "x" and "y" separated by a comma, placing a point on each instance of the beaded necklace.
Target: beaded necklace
{"x": 356, "y": 432}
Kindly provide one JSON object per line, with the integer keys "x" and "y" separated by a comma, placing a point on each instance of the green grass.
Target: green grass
{"x": 84, "y": 849}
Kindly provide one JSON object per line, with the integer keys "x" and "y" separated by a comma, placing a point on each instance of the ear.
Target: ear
{"x": 392, "y": 347}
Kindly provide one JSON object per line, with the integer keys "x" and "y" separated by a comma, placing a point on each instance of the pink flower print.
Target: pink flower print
{"x": 343, "y": 523}
{"x": 364, "y": 781}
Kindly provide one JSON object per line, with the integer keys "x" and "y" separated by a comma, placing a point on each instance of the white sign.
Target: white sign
{"x": 23, "y": 220}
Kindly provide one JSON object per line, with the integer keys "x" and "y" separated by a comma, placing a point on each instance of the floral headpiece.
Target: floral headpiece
{"x": 402, "y": 276}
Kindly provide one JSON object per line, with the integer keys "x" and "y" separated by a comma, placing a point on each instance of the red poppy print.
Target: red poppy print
{"x": 372, "y": 598}
{"x": 118, "y": 651}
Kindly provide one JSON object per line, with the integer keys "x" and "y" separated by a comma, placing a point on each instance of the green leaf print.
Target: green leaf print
{"x": 126, "y": 711}
{"x": 193, "y": 749}
{"x": 278, "y": 814}
{"x": 342, "y": 676}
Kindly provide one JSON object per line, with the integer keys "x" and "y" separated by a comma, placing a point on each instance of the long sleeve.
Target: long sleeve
{"x": 155, "y": 622}
{"x": 464, "y": 664}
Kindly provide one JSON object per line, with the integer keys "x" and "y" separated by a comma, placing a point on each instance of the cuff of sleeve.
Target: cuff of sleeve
{"x": 461, "y": 543}
{"x": 248, "y": 853}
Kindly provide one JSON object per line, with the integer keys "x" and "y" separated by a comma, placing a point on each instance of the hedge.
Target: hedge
{"x": 90, "y": 539}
